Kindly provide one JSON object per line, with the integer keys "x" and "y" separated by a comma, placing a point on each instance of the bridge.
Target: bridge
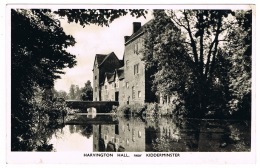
{"x": 100, "y": 106}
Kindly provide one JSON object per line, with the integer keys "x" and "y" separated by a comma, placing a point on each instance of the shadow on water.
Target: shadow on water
{"x": 113, "y": 133}
{"x": 168, "y": 134}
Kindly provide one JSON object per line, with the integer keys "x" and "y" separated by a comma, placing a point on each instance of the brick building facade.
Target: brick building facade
{"x": 123, "y": 80}
{"x": 103, "y": 64}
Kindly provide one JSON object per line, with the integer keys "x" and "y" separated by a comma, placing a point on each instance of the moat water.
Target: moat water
{"x": 113, "y": 133}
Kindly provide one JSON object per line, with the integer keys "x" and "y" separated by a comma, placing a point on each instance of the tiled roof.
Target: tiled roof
{"x": 106, "y": 58}
{"x": 100, "y": 58}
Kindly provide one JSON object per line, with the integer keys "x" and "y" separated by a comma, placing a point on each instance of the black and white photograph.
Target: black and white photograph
{"x": 133, "y": 82}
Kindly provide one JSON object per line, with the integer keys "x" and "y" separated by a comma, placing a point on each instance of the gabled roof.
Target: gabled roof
{"x": 106, "y": 58}
{"x": 110, "y": 77}
{"x": 122, "y": 62}
{"x": 120, "y": 73}
{"x": 100, "y": 58}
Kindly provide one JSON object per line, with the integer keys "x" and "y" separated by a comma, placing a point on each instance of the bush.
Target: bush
{"x": 152, "y": 109}
{"x": 155, "y": 109}
{"x": 166, "y": 109}
{"x": 123, "y": 109}
{"x": 132, "y": 109}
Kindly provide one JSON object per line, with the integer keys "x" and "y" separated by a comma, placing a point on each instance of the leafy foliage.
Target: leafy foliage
{"x": 240, "y": 56}
{"x": 38, "y": 55}
{"x": 87, "y": 92}
{"x": 203, "y": 57}
{"x": 100, "y": 17}
{"x": 168, "y": 63}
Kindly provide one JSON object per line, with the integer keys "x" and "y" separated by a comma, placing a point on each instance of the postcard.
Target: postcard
{"x": 131, "y": 84}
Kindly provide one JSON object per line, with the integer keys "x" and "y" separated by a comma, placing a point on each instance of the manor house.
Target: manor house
{"x": 123, "y": 80}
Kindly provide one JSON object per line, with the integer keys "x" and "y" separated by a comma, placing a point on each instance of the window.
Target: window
{"x": 127, "y": 85}
{"x": 136, "y": 45}
{"x": 133, "y": 92}
{"x": 106, "y": 87}
{"x": 95, "y": 89}
{"x": 95, "y": 77}
{"x": 136, "y": 69}
{"x": 117, "y": 83}
{"x": 139, "y": 94}
{"x": 116, "y": 129}
{"x": 133, "y": 135}
{"x": 127, "y": 64}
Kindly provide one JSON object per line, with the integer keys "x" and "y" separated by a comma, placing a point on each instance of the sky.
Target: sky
{"x": 92, "y": 40}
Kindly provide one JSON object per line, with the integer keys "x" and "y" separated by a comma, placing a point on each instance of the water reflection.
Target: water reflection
{"x": 133, "y": 134}
{"x": 73, "y": 138}
{"x": 128, "y": 135}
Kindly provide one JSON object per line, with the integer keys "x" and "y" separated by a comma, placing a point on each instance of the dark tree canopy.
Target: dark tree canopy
{"x": 38, "y": 56}
{"x": 204, "y": 56}
{"x": 101, "y": 17}
{"x": 37, "y": 50}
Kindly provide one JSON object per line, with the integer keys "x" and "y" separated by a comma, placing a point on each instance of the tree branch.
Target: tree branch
{"x": 216, "y": 44}
{"x": 193, "y": 44}
{"x": 201, "y": 33}
{"x": 209, "y": 55}
{"x": 178, "y": 22}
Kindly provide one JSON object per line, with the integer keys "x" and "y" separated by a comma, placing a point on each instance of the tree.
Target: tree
{"x": 205, "y": 31}
{"x": 101, "y": 17}
{"x": 60, "y": 94}
{"x": 167, "y": 63}
{"x": 196, "y": 53}
{"x": 72, "y": 92}
{"x": 87, "y": 92}
{"x": 38, "y": 55}
{"x": 240, "y": 56}
{"x": 77, "y": 92}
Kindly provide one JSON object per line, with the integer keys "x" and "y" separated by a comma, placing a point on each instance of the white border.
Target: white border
{"x": 198, "y": 157}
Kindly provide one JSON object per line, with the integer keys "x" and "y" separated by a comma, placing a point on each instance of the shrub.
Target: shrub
{"x": 132, "y": 109}
{"x": 123, "y": 109}
{"x": 152, "y": 109}
{"x": 166, "y": 109}
{"x": 137, "y": 108}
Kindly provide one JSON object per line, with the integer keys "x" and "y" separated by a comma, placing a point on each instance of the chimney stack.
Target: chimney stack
{"x": 136, "y": 26}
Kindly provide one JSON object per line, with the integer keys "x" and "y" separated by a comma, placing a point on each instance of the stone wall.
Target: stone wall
{"x": 134, "y": 72}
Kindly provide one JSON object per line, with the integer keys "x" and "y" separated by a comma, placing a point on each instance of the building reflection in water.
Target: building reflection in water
{"x": 128, "y": 135}
{"x": 165, "y": 134}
